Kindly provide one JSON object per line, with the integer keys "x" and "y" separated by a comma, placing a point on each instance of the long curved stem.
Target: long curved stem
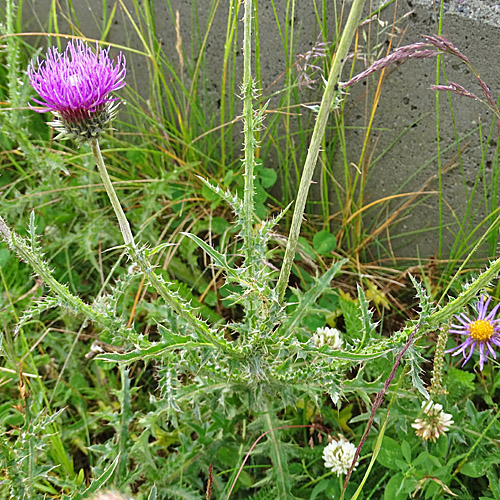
{"x": 445, "y": 313}
{"x": 317, "y": 137}
{"x": 250, "y": 143}
{"x": 139, "y": 257}
{"x": 120, "y": 214}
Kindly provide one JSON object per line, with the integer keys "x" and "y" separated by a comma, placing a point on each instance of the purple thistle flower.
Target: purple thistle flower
{"x": 483, "y": 332}
{"x": 75, "y": 86}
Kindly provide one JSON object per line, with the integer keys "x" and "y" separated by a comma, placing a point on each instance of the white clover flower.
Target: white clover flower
{"x": 327, "y": 336}
{"x": 434, "y": 422}
{"x": 338, "y": 456}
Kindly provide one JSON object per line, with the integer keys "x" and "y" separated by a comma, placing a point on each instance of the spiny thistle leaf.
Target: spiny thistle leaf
{"x": 231, "y": 199}
{"x": 366, "y": 315}
{"x": 267, "y": 226}
{"x": 154, "y": 351}
{"x": 413, "y": 358}
{"x": 36, "y": 308}
{"x": 24, "y": 251}
{"x": 309, "y": 298}
{"x": 218, "y": 258}
{"x": 426, "y": 305}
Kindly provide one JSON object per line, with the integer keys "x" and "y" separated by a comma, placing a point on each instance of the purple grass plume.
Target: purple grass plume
{"x": 455, "y": 88}
{"x": 306, "y": 64}
{"x": 419, "y": 50}
{"x": 482, "y": 332}
{"x": 444, "y": 45}
{"x": 433, "y": 46}
{"x": 75, "y": 86}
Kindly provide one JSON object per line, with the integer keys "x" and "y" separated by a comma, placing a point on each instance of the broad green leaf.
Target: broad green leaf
{"x": 396, "y": 489}
{"x": 267, "y": 177}
{"x": 324, "y": 242}
{"x": 389, "y": 452}
{"x": 427, "y": 463}
{"x": 406, "y": 451}
{"x": 319, "y": 488}
{"x": 479, "y": 467}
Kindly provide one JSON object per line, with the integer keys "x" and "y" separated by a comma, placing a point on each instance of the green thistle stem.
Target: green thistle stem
{"x": 108, "y": 185}
{"x": 444, "y": 314}
{"x": 26, "y": 254}
{"x": 249, "y": 136}
{"x": 316, "y": 139}
{"x": 140, "y": 259}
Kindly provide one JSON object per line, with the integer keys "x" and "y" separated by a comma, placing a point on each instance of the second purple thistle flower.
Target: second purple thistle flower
{"x": 75, "y": 86}
{"x": 482, "y": 332}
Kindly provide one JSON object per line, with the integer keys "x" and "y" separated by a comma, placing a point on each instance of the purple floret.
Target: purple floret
{"x": 77, "y": 81}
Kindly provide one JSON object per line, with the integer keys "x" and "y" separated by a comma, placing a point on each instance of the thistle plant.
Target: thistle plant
{"x": 76, "y": 86}
{"x": 266, "y": 361}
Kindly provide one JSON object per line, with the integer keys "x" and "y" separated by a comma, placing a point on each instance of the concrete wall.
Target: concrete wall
{"x": 473, "y": 25}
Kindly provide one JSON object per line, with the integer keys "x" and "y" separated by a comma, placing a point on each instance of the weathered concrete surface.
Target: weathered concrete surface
{"x": 406, "y": 98}
{"x": 405, "y": 121}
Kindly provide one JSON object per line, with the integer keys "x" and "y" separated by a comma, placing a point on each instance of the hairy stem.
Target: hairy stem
{"x": 249, "y": 136}
{"x": 120, "y": 214}
{"x": 29, "y": 255}
{"x": 317, "y": 137}
{"x": 445, "y": 313}
{"x": 139, "y": 257}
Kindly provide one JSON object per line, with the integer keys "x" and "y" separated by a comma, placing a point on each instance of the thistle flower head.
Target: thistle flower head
{"x": 75, "y": 86}
{"x": 327, "y": 336}
{"x": 434, "y": 422}
{"x": 482, "y": 332}
{"x": 338, "y": 456}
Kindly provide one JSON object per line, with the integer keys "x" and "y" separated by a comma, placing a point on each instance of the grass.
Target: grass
{"x": 140, "y": 426}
